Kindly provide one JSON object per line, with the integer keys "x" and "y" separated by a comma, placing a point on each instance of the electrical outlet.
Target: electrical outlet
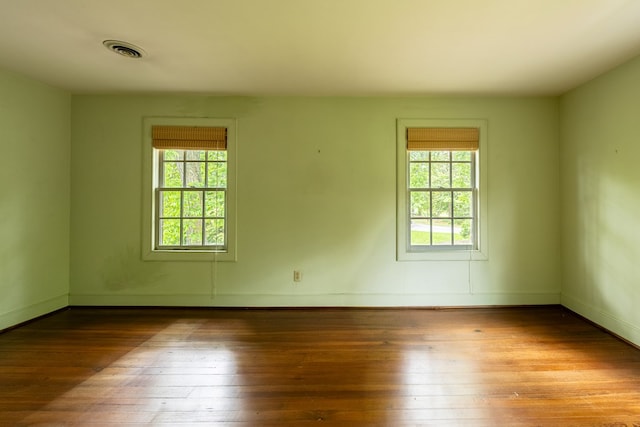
{"x": 297, "y": 276}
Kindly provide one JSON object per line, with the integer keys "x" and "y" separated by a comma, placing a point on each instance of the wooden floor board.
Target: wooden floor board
{"x": 96, "y": 367}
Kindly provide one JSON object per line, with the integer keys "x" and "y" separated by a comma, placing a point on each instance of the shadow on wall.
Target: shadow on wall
{"x": 511, "y": 212}
{"x": 606, "y": 238}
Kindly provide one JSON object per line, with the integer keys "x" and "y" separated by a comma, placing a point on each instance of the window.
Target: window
{"x": 192, "y": 196}
{"x": 438, "y": 189}
{"x": 442, "y": 199}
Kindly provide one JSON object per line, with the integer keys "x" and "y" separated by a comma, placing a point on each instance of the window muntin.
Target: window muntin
{"x": 191, "y": 200}
{"x": 441, "y": 200}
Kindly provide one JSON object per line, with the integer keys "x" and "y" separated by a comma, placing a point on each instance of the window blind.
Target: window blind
{"x": 443, "y": 139}
{"x": 189, "y": 138}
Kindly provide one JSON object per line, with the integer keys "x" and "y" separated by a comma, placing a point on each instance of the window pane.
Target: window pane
{"x": 418, "y": 155}
{"x": 442, "y": 232}
{"x": 462, "y": 204}
{"x": 461, "y": 156}
{"x": 418, "y": 175}
{"x": 440, "y": 155}
{"x": 214, "y": 231}
{"x": 170, "y": 203}
{"x": 462, "y": 232}
{"x": 440, "y": 175}
{"x": 217, "y": 175}
{"x": 420, "y": 232}
{"x": 173, "y": 154}
{"x": 441, "y": 203}
{"x": 214, "y": 203}
{"x": 192, "y": 203}
{"x": 192, "y": 233}
{"x": 217, "y": 155}
{"x": 461, "y": 174}
{"x": 196, "y": 154}
{"x": 172, "y": 174}
{"x": 169, "y": 232}
{"x": 195, "y": 174}
{"x": 420, "y": 203}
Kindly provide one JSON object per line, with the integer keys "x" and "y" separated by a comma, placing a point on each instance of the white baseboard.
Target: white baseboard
{"x": 607, "y": 320}
{"x": 326, "y": 300}
{"x": 23, "y": 314}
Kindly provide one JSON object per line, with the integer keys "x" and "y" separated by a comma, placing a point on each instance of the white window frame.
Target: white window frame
{"x": 150, "y": 180}
{"x": 404, "y": 251}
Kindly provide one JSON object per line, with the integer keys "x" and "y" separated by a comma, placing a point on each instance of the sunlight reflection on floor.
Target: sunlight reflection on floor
{"x": 189, "y": 372}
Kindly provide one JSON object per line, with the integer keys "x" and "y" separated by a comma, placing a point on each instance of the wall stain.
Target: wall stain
{"x": 126, "y": 270}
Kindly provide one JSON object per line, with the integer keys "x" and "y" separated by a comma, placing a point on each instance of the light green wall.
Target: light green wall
{"x": 34, "y": 198}
{"x": 316, "y": 192}
{"x": 601, "y": 200}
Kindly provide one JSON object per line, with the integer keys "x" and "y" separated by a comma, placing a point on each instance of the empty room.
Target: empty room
{"x": 303, "y": 212}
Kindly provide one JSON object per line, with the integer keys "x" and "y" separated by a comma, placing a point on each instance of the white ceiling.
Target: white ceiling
{"x": 320, "y": 47}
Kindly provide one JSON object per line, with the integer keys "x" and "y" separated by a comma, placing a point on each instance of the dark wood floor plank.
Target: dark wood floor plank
{"x": 504, "y": 366}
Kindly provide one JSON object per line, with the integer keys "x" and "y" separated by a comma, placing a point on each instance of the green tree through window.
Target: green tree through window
{"x": 441, "y": 198}
{"x": 192, "y": 198}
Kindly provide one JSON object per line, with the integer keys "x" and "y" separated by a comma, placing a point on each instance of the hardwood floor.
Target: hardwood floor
{"x": 353, "y": 367}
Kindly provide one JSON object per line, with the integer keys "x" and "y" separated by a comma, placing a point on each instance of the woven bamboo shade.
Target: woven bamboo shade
{"x": 443, "y": 139}
{"x": 189, "y": 138}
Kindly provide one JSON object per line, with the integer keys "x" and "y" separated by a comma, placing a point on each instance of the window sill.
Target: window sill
{"x": 191, "y": 255}
{"x": 442, "y": 255}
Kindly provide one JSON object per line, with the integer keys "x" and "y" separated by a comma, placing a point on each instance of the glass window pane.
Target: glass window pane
{"x": 173, "y": 154}
{"x": 462, "y": 231}
{"x": 196, "y": 154}
{"x": 418, "y": 155}
{"x": 442, "y": 232}
{"x": 440, "y": 175}
{"x": 169, "y": 232}
{"x": 461, "y": 156}
{"x": 192, "y": 203}
{"x": 172, "y": 174}
{"x": 461, "y": 174}
{"x": 195, "y": 174}
{"x": 462, "y": 204}
{"x": 418, "y": 175}
{"x": 441, "y": 204}
{"x": 214, "y": 229}
{"x": 420, "y": 232}
{"x": 420, "y": 203}
{"x": 217, "y": 175}
{"x": 192, "y": 232}
{"x": 170, "y": 204}
{"x": 217, "y": 155}
{"x": 214, "y": 203}
{"x": 440, "y": 155}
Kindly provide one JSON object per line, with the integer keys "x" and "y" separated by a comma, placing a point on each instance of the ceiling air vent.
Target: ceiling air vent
{"x": 124, "y": 48}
